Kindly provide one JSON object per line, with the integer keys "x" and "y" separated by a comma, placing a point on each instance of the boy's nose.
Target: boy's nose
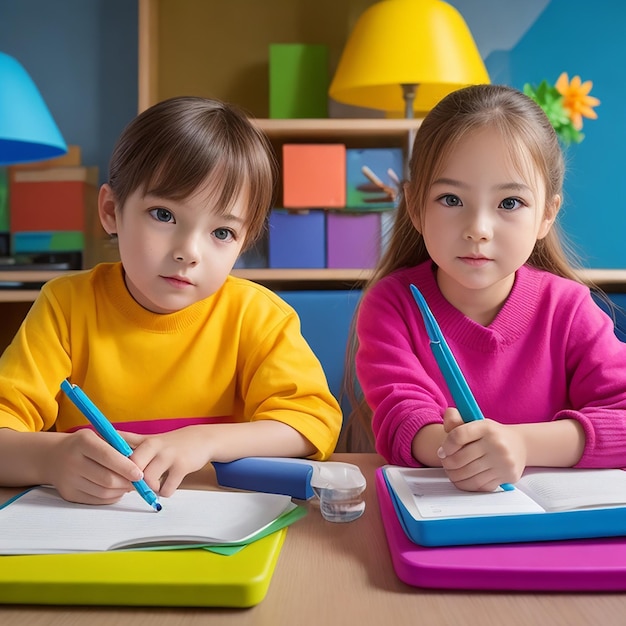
{"x": 187, "y": 251}
{"x": 181, "y": 259}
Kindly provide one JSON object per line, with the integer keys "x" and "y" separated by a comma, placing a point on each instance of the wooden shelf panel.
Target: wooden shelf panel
{"x": 603, "y": 278}
{"x": 305, "y": 275}
{"x": 336, "y": 127}
{"x": 612, "y": 280}
{"x": 355, "y": 133}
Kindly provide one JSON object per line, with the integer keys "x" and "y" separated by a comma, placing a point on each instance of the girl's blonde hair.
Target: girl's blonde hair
{"x": 532, "y": 142}
{"x": 175, "y": 146}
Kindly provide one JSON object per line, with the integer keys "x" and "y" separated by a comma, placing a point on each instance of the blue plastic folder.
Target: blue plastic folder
{"x": 473, "y": 528}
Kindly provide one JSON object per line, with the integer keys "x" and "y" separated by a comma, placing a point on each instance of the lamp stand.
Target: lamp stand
{"x": 408, "y": 95}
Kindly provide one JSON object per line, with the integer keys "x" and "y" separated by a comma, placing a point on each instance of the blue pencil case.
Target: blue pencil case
{"x": 339, "y": 486}
{"x": 289, "y": 477}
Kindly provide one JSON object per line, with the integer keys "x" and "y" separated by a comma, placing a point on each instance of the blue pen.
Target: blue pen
{"x": 461, "y": 393}
{"x": 105, "y": 429}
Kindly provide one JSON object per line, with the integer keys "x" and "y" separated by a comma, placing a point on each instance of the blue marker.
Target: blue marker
{"x": 461, "y": 393}
{"x": 105, "y": 429}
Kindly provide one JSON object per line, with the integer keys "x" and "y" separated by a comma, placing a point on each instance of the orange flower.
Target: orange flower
{"x": 576, "y": 99}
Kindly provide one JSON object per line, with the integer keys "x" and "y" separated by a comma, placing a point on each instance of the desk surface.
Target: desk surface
{"x": 330, "y": 574}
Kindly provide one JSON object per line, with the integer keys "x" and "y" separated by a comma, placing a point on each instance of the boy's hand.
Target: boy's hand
{"x": 480, "y": 455}
{"x": 84, "y": 468}
{"x": 168, "y": 457}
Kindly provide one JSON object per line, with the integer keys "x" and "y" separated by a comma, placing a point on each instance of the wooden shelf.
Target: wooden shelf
{"x": 354, "y": 133}
{"x": 23, "y": 286}
{"x": 306, "y": 279}
{"x": 30, "y": 276}
{"x": 611, "y": 280}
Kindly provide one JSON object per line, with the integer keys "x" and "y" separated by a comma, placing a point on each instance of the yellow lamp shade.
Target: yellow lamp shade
{"x": 407, "y": 42}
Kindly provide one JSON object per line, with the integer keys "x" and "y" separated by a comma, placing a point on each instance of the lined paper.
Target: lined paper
{"x": 40, "y": 521}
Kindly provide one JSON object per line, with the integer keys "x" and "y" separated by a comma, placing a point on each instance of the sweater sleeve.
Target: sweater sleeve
{"x": 397, "y": 371}
{"x": 33, "y": 366}
{"x": 282, "y": 380}
{"x": 596, "y": 369}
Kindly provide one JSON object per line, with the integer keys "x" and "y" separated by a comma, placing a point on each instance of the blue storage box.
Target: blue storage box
{"x": 297, "y": 239}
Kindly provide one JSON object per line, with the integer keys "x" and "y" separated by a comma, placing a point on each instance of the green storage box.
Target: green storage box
{"x": 298, "y": 81}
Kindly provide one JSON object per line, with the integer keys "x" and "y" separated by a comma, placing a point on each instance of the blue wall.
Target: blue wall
{"x": 587, "y": 39}
{"x": 82, "y": 54}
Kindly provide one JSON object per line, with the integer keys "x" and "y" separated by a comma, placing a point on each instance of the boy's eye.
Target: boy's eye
{"x": 510, "y": 203}
{"x": 224, "y": 234}
{"x": 162, "y": 215}
{"x": 451, "y": 200}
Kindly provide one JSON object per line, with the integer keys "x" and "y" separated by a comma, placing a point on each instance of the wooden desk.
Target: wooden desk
{"x": 330, "y": 574}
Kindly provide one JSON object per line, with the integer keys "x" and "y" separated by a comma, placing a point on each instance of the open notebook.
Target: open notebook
{"x": 90, "y": 572}
{"x": 39, "y": 521}
{"x": 546, "y": 504}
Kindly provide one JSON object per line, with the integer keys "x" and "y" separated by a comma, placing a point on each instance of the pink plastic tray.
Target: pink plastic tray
{"x": 587, "y": 565}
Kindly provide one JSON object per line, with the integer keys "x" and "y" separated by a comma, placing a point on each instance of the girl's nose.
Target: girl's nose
{"x": 479, "y": 227}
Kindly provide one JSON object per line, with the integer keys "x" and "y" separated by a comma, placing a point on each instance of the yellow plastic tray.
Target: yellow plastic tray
{"x": 156, "y": 578}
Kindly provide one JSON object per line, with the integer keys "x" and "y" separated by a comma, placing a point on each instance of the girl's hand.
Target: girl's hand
{"x": 168, "y": 457}
{"x": 84, "y": 468}
{"x": 481, "y": 455}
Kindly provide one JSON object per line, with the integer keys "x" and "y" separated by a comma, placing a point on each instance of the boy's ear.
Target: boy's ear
{"x": 549, "y": 216}
{"x": 106, "y": 209}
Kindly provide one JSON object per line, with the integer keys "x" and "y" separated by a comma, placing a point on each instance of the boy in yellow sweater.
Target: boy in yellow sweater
{"x": 191, "y": 364}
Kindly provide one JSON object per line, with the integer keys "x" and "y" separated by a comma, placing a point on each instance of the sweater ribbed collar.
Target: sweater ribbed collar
{"x": 116, "y": 292}
{"x": 512, "y": 321}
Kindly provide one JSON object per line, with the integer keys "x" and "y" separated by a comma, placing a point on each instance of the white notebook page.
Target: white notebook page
{"x": 40, "y": 521}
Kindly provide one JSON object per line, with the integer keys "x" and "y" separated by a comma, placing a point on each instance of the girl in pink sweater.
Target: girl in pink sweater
{"x": 475, "y": 232}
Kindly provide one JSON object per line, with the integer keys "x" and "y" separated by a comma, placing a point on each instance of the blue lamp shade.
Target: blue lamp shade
{"x": 27, "y": 130}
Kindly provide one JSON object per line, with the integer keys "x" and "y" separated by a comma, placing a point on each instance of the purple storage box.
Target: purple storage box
{"x": 353, "y": 240}
{"x": 297, "y": 239}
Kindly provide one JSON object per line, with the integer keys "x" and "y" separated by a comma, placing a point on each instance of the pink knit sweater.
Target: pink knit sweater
{"x": 551, "y": 353}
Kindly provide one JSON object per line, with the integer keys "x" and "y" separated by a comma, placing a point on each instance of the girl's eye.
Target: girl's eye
{"x": 162, "y": 215}
{"x": 510, "y": 204}
{"x": 451, "y": 200}
{"x": 224, "y": 234}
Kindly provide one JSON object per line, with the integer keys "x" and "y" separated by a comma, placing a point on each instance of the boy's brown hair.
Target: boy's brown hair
{"x": 175, "y": 146}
